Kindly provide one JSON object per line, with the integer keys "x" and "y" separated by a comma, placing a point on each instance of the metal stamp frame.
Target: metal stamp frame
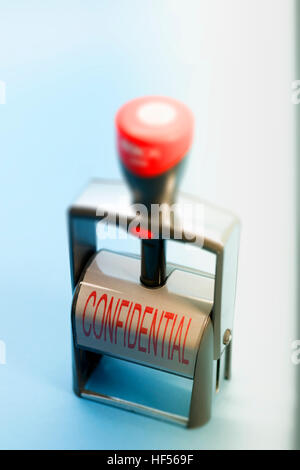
{"x": 220, "y": 237}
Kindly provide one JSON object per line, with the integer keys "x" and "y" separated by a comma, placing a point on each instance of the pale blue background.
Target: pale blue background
{"x": 68, "y": 66}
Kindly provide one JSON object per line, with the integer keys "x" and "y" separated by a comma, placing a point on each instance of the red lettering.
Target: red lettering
{"x": 143, "y": 331}
{"x": 137, "y": 307}
{"x": 171, "y": 336}
{"x": 108, "y": 317}
{"x": 168, "y": 316}
{"x": 94, "y": 295}
{"x": 104, "y": 297}
{"x": 177, "y": 347}
{"x": 113, "y": 318}
{"x": 152, "y": 328}
{"x": 185, "y": 361}
{"x": 119, "y": 323}
{"x": 127, "y": 322}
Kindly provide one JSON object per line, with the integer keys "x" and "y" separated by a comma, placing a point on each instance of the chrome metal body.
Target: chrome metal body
{"x": 202, "y": 301}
